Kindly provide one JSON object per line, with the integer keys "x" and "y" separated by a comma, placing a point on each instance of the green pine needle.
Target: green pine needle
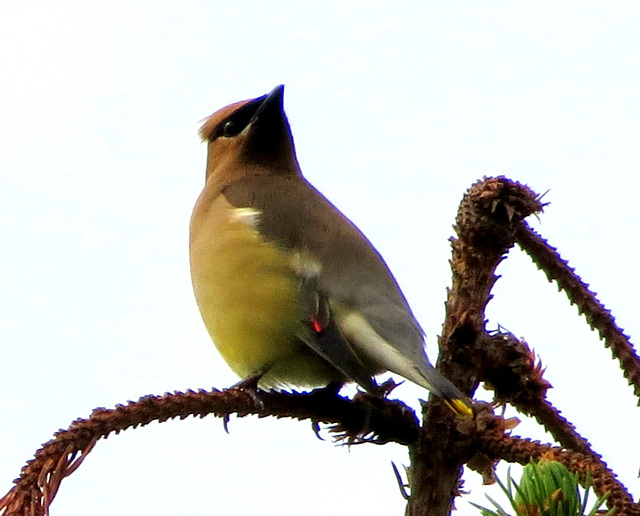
{"x": 546, "y": 488}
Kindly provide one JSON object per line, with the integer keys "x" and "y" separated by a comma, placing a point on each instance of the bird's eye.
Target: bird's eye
{"x": 237, "y": 122}
{"x": 229, "y": 128}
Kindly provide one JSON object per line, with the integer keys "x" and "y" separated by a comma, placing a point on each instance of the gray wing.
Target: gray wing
{"x": 353, "y": 273}
{"x": 326, "y": 339}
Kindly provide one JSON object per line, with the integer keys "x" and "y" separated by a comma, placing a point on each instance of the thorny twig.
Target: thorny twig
{"x": 363, "y": 418}
{"x": 598, "y": 316}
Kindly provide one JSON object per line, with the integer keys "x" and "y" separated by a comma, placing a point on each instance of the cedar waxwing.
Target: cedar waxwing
{"x": 291, "y": 292}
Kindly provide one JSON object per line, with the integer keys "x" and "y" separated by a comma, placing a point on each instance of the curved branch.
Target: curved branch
{"x": 363, "y": 418}
{"x": 599, "y": 318}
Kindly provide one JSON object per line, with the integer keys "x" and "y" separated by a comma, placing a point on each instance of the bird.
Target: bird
{"x": 292, "y": 293}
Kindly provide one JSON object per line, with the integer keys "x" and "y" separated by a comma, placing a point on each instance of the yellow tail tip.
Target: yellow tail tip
{"x": 459, "y": 407}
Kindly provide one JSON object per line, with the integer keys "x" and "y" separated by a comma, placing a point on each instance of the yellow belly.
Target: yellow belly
{"x": 248, "y": 297}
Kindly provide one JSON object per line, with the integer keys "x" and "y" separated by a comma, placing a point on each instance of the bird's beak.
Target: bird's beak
{"x": 268, "y": 134}
{"x": 270, "y": 107}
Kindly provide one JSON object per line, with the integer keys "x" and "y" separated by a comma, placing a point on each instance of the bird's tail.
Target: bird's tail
{"x": 450, "y": 394}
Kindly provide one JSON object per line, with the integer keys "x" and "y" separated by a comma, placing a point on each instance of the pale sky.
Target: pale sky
{"x": 396, "y": 107}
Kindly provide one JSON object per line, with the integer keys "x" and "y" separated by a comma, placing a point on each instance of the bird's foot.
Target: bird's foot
{"x": 385, "y": 388}
{"x": 250, "y": 386}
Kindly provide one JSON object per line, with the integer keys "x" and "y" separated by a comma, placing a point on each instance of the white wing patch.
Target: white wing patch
{"x": 249, "y": 216}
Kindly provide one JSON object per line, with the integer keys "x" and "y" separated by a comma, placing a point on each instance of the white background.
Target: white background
{"x": 397, "y": 107}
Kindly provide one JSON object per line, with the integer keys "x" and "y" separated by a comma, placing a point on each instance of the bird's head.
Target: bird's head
{"x": 250, "y": 137}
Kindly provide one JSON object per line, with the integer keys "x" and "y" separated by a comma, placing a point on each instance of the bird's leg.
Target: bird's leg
{"x": 248, "y": 383}
{"x": 387, "y": 386}
{"x": 250, "y": 386}
{"x": 330, "y": 390}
